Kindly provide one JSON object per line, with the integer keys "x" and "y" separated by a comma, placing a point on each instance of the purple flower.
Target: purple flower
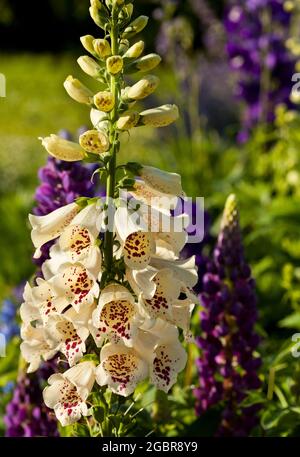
{"x": 256, "y": 34}
{"x": 227, "y": 366}
{"x": 26, "y": 415}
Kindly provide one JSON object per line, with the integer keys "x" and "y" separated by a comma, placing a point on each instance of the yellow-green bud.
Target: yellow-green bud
{"x": 128, "y": 121}
{"x": 94, "y": 141}
{"x": 143, "y": 88}
{"x": 135, "y": 51}
{"x": 160, "y": 116}
{"x": 87, "y": 43}
{"x": 78, "y": 91}
{"x": 104, "y": 101}
{"x": 89, "y": 66}
{"x": 136, "y": 26}
{"x": 146, "y": 63}
{"x": 114, "y": 64}
{"x": 124, "y": 46}
{"x": 98, "y": 13}
{"x": 102, "y": 47}
{"x": 62, "y": 149}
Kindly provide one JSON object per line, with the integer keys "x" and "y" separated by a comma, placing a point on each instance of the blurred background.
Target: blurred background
{"x": 229, "y": 67}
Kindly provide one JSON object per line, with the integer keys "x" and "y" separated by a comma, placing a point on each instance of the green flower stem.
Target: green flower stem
{"x": 114, "y": 141}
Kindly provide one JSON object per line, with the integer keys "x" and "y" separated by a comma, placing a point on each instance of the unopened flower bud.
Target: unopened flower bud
{"x": 104, "y": 101}
{"x": 136, "y": 26}
{"x": 89, "y": 66}
{"x": 135, "y": 51}
{"x": 94, "y": 141}
{"x": 78, "y": 91}
{"x": 98, "y": 14}
{"x": 143, "y": 88}
{"x": 99, "y": 120}
{"x": 102, "y": 48}
{"x": 62, "y": 149}
{"x": 114, "y": 64}
{"x": 146, "y": 63}
{"x": 160, "y": 116}
{"x": 124, "y": 46}
{"x": 87, "y": 43}
{"x": 128, "y": 121}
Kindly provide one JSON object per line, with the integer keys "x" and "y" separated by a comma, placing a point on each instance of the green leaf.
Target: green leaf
{"x": 99, "y": 413}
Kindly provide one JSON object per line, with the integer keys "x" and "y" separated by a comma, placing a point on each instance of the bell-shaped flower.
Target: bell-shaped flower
{"x": 168, "y": 359}
{"x": 49, "y": 227}
{"x": 78, "y": 243}
{"x": 63, "y": 149}
{"x": 161, "y": 181}
{"x": 153, "y": 197}
{"x": 68, "y": 337}
{"x": 165, "y": 229}
{"x": 76, "y": 285}
{"x": 34, "y": 347}
{"x": 121, "y": 368}
{"x": 67, "y": 393}
{"x": 40, "y": 302}
{"x": 163, "y": 295}
{"x": 136, "y": 241}
{"x": 116, "y": 316}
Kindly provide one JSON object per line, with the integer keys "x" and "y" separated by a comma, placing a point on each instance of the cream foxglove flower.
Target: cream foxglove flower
{"x": 169, "y": 359}
{"x": 121, "y": 368}
{"x": 78, "y": 243}
{"x": 89, "y": 66}
{"x": 67, "y": 393}
{"x": 114, "y": 64}
{"x": 102, "y": 47}
{"x": 87, "y": 43}
{"x": 116, "y": 315}
{"x": 128, "y": 121}
{"x": 49, "y": 227}
{"x": 34, "y": 347}
{"x": 157, "y": 354}
{"x": 104, "y": 101}
{"x": 163, "y": 295}
{"x": 142, "y": 88}
{"x": 94, "y": 141}
{"x": 184, "y": 269}
{"x": 137, "y": 243}
{"x": 78, "y": 91}
{"x": 166, "y": 230}
{"x": 99, "y": 120}
{"x": 66, "y": 336}
{"x": 153, "y": 197}
{"x": 161, "y": 181}
{"x": 145, "y": 63}
{"x": 40, "y": 302}
{"x": 76, "y": 285}
{"x": 159, "y": 117}
{"x": 63, "y": 149}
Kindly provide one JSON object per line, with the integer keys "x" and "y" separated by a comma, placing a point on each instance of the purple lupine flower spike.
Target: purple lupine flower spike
{"x": 26, "y": 414}
{"x": 228, "y": 364}
{"x": 257, "y": 31}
